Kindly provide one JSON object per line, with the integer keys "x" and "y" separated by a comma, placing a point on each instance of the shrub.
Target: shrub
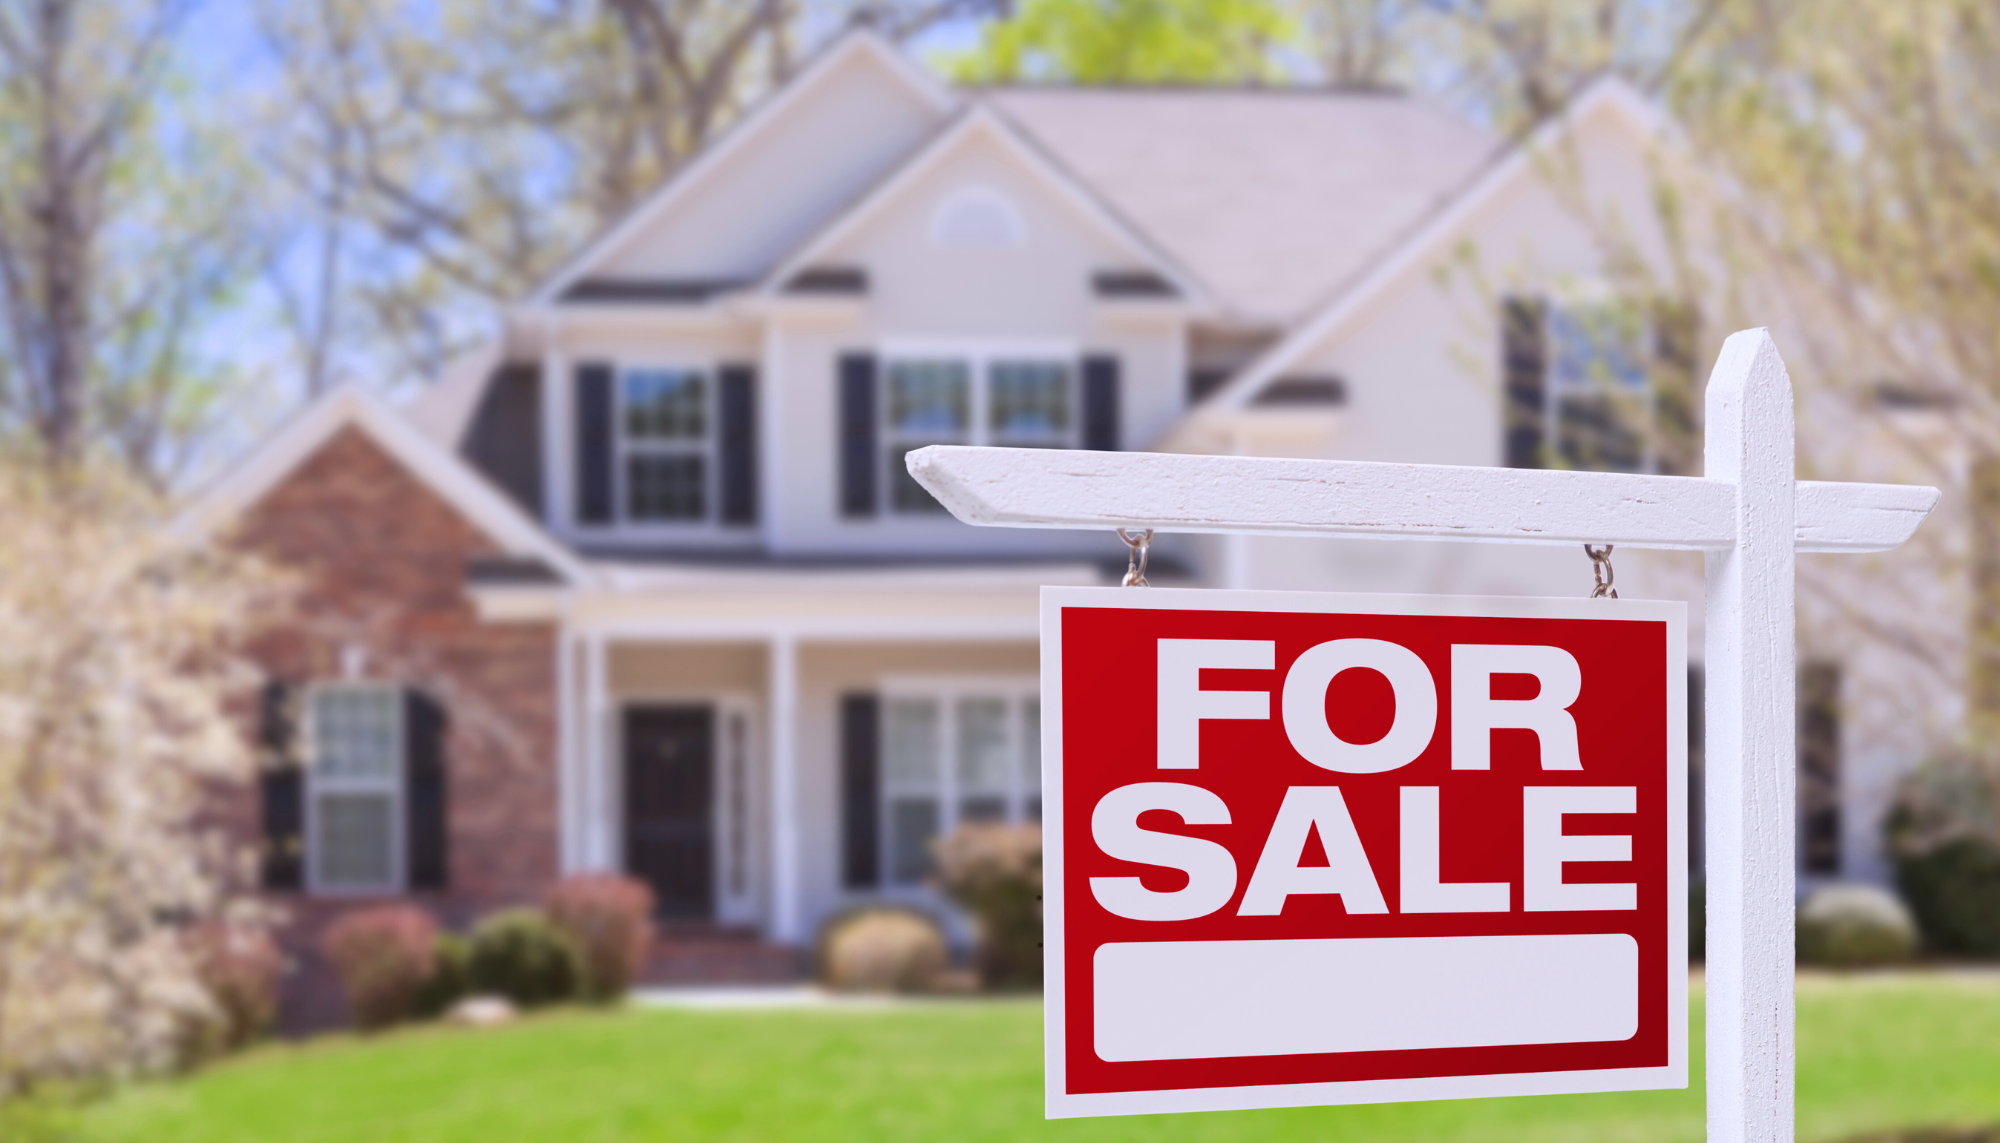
{"x": 995, "y": 872}
{"x": 1943, "y": 833}
{"x": 383, "y": 956}
{"x": 521, "y": 955}
{"x": 881, "y": 950}
{"x": 449, "y": 982}
{"x": 610, "y": 918}
{"x": 1850, "y": 925}
{"x": 238, "y": 967}
{"x": 1698, "y": 921}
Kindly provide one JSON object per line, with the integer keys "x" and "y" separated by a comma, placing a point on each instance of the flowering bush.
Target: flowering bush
{"x": 238, "y": 967}
{"x": 610, "y": 917}
{"x": 384, "y": 956}
{"x": 995, "y": 872}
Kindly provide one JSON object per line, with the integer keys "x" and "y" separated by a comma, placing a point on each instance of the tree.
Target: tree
{"x": 119, "y": 234}
{"x": 445, "y": 156}
{"x": 1132, "y": 41}
{"x": 119, "y": 663}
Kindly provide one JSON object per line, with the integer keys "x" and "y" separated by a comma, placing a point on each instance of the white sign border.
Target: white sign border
{"x": 1061, "y": 1104}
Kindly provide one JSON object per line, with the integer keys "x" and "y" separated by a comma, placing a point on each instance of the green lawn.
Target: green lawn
{"x": 1873, "y": 1053}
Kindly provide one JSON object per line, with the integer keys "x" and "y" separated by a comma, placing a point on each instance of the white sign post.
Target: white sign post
{"x": 1748, "y": 515}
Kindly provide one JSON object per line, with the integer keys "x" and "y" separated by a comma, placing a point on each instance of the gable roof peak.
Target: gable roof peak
{"x": 858, "y": 41}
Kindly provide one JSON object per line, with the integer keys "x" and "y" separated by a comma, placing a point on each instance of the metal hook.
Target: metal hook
{"x": 1135, "y": 561}
{"x": 1600, "y": 570}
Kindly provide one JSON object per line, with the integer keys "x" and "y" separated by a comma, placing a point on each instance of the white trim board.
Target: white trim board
{"x": 283, "y": 451}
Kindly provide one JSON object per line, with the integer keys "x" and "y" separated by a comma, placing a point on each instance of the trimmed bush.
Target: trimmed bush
{"x": 450, "y": 980}
{"x": 239, "y": 968}
{"x": 1853, "y": 925}
{"x": 995, "y": 872}
{"x": 1954, "y": 889}
{"x": 383, "y": 955}
{"x": 881, "y": 950}
{"x": 521, "y": 955}
{"x": 610, "y": 917}
{"x": 1943, "y": 833}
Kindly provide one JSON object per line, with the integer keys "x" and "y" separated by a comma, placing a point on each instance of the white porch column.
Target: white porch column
{"x": 597, "y": 824}
{"x": 1751, "y": 755}
{"x": 786, "y": 923}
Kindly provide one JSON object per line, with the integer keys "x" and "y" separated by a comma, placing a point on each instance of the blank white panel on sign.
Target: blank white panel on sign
{"x": 1179, "y": 1000}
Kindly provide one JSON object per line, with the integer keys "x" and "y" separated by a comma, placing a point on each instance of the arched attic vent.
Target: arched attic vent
{"x": 977, "y": 216}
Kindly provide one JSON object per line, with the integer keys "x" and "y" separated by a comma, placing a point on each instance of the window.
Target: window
{"x": 954, "y": 756}
{"x": 667, "y": 461}
{"x": 1017, "y": 400}
{"x": 1599, "y": 395}
{"x": 1604, "y": 387}
{"x": 1819, "y": 767}
{"x": 354, "y": 808}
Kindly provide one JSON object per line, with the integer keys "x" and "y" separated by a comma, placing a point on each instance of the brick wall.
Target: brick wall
{"x": 383, "y": 560}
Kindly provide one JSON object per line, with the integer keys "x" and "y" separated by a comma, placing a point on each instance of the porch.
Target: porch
{"x": 764, "y": 776}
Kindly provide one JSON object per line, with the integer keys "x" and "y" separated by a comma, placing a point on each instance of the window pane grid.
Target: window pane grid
{"x": 953, "y": 758}
{"x": 1599, "y": 399}
{"x": 355, "y": 776}
{"x": 666, "y": 486}
{"x": 666, "y": 404}
{"x": 1015, "y": 402}
{"x": 666, "y": 420}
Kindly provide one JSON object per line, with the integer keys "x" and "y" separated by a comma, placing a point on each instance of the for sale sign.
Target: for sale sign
{"x": 1306, "y": 848}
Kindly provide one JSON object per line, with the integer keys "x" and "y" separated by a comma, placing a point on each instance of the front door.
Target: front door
{"x": 669, "y": 806}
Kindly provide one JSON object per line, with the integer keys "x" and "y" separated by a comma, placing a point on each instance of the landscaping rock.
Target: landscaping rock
{"x": 482, "y": 1012}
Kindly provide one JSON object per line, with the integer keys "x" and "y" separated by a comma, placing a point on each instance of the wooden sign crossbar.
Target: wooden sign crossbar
{"x": 1748, "y": 514}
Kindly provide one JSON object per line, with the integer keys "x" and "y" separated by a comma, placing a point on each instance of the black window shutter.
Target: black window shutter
{"x": 860, "y": 785}
{"x": 858, "y": 460}
{"x": 1100, "y": 403}
{"x": 737, "y": 439}
{"x": 424, "y": 791}
{"x": 282, "y": 787}
{"x": 1524, "y": 369}
{"x": 595, "y": 443}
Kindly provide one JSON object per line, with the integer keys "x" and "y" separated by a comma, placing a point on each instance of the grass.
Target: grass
{"x": 1874, "y": 1053}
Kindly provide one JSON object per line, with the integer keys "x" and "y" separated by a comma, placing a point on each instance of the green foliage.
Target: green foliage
{"x": 450, "y": 979}
{"x": 1954, "y": 889}
{"x": 1132, "y": 41}
{"x": 1944, "y": 835}
{"x": 520, "y": 954}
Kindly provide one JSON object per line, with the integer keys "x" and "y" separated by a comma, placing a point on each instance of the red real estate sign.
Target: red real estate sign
{"x": 1306, "y": 848}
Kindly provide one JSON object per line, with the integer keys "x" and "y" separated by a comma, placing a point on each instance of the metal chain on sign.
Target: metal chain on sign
{"x": 1600, "y": 569}
{"x": 1135, "y": 562}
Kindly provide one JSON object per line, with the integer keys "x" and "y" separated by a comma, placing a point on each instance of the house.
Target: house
{"x": 645, "y": 586}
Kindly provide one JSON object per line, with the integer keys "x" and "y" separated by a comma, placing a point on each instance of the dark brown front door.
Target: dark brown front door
{"x": 669, "y": 815}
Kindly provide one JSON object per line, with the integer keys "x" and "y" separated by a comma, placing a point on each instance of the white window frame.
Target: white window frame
{"x": 947, "y": 692}
{"x": 708, "y": 448}
{"x": 394, "y": 785}
{"x": 978, "y": 358}
{"x": 1556, "y": 386}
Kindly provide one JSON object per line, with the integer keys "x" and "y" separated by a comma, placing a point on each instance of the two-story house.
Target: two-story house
{"x": 645, "y": 586}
